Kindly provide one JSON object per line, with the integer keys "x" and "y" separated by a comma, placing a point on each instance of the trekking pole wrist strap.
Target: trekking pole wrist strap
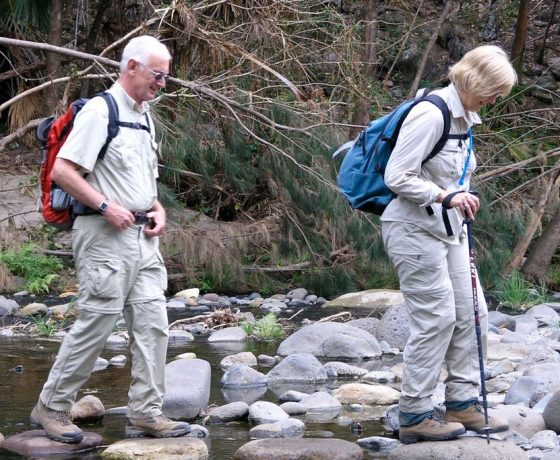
{"x": 446, "y": 203}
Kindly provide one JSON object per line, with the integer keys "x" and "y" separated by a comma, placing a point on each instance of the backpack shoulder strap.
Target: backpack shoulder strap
{"x": 113, "y": 125}
{"x": 442, "y": 106}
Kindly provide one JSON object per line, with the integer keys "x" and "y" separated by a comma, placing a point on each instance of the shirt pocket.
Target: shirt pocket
{"x": 122, "y": 153}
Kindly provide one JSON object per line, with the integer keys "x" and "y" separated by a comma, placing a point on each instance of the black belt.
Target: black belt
{"x": 141, "y": 217}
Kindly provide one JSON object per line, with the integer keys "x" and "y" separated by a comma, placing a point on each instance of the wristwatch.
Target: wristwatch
{"x": 103, "y": 206}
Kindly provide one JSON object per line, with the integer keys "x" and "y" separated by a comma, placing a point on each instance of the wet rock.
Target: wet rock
{"x": 299, "y": 449}
{"x": 378, "y": 377}
{"x": 524, "y": 388}
{"x": 266, "y": 412}
{"x": 526, "y": 325}
{"x": 116, "y": 340}
{"x": 367, "y": 324}
{"x": 35, "y": 443}
{"x": 211, "y": 297}
{"x": 298, "y": 367}
{"x": 266, "y": 361}
{"x": 238, "y": 410}
{"x": 292, "y": 395}
{"x": 187, "y": 388}
{"x": 100, "y": 364}
{"x": 366, "y": 394}
{"x": 118, "y": 361}
{"x": 240, "y": 375}
{"x": 393, "y": 327}
{"x": 7, "y": 306}
{"x": 538, "y": 354}
{"x": 329, "y": 339}
{"x": 463, "y": 448}
{"x": 198, "y": 431}
{"x": 245, "y": 357}
{"x": 32, "y": 309}
{"x": 188, "y": 355}
{"x": 379, "y": 444}
{"x": 246, "y": 394}
{"x": 149, "y": 449}
{"x": 345, "y": 370}
{"x": 544, "y": 314}
{"x": 321, "y": 401}
{"x": 293, "y": 408}
{"x": 88, "y": 409}
{"x": 228, "y": 334}
{"x": 288, "y": 428}
{"x": 499, "y": 319}
{"x": 513, "y": 352}
{"x": 298, "y": 294}
{"x": 495, "y": 369}
{"x": 521, "y": 419}
{"x": 177, "y": 336}
{"x": 373, "y": 299}
{"x": 546, "y": 439}
{"x": 551, "y": 414}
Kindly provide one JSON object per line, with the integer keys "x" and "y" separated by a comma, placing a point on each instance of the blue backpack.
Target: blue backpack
{"x": 361, "y": 174}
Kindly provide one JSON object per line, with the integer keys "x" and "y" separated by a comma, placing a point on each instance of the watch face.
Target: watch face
{"x": 103, "y": 207}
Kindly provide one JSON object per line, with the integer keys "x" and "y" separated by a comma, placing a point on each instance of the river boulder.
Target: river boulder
{"x": 332, "y": 340}
{"x": 187, "y": 388}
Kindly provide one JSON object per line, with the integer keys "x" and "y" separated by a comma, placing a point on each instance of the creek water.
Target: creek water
{"x": 20, "y": 387}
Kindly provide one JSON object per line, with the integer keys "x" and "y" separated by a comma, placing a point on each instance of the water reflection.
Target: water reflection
{"x": 25, "y": 363}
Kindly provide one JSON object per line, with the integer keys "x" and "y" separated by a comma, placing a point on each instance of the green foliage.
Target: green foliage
{"x": 37, "y": 269}
{"x": 43, "y": 326}
{"x": 518, "y": 294}
{"x": 265, "y": 328}
{"x": 24, "y": 14}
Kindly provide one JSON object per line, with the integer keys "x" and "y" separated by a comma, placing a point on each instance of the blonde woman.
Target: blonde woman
{"x": 424, "y": 236}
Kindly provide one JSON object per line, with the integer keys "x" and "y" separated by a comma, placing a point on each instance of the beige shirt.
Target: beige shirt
{"x": 128, "y": 172}
{"x": 418, "y": 186}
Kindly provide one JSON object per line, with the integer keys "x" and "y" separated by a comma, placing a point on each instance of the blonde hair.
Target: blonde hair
{"x": 484, "y": 71}
{"x": 141, "y": 48}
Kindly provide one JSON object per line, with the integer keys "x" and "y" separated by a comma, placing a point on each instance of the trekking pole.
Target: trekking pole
{"x": 470, "y": 238}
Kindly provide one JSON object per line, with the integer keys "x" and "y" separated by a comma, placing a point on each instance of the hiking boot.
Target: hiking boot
{"x": 56, "y": 423}
{"x": 157, "y": 427}
{"x": 430, "y": 429}
{"x": 473, "y": 419}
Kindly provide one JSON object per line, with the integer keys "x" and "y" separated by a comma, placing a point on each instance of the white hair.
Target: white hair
{"x": 141, "y": 48}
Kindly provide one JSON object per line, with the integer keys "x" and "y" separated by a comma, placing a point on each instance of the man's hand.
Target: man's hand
{"x": 118, "y": 216}
{"x": 158, "y": 220}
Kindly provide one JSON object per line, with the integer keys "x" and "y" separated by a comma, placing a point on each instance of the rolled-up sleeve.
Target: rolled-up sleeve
{"x": 419, "y": 134}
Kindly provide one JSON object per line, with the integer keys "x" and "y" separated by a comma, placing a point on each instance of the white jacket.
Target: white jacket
{"x": 418, "y": 186}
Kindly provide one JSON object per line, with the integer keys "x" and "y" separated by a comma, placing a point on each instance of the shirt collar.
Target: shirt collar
{"x": 457, "y": 109}
{"x": 128, "y": 102}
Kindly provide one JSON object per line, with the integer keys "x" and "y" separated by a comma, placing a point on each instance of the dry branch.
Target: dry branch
{"x": 18, "y": 134}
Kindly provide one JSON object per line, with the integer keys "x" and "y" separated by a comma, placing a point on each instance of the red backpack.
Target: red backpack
{"x": 56, "y": 205}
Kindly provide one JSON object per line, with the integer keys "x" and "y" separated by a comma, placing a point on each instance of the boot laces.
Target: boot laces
{"x": 62, "y": 417}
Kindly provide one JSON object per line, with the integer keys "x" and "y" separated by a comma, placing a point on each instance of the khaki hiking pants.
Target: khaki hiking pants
{"x": 118, "y": 272}
{"x": 436, "y": 284}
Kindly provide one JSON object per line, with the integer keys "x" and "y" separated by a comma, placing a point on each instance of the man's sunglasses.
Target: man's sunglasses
{"x": 158, "y": 76}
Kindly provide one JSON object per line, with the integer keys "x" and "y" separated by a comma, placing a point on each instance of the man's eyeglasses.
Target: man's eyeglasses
{"x": 158, "y": 76}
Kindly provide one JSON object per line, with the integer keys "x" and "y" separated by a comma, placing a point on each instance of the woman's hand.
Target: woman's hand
{"x": 467, "y": 203}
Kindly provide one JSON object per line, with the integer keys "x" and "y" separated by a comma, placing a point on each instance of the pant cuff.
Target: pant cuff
{"x": 460, "y": 405}
{"x": 409, "y": 419}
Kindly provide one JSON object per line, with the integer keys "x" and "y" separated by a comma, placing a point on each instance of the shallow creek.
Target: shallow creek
{"x": 19, "y": 391}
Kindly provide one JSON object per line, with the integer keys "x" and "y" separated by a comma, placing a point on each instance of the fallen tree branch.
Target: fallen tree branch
{"x": 18, "y": 134}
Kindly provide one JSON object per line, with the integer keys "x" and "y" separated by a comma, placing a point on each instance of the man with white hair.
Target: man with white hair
{"x": 115, "y": 242}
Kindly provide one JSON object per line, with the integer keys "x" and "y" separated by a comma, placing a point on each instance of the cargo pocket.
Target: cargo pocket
{"x": 102, "y": 278}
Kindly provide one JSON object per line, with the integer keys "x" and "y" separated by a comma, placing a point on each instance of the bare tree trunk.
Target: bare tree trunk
{"x": 429, "y": 46}
{"x": 518, "y": 46}
{"x": 91, "y": 39}
{"x": 53, "y": 59}
{"x": 540, "y": 58}
{"x": 534, "y": 222}
{"x": 540, "y": 257}
{"x": 361, "y": 115}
